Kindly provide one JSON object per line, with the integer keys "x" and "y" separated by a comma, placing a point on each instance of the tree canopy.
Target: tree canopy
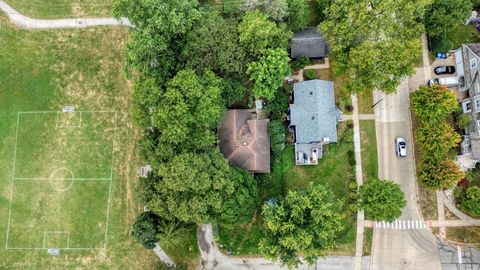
{"x": 303, "y": 222}
{"x": 269, "y": 72}
{"x": 436, "y": 140}
{"x": 381, "y": 199}
{"x": 436, "y": 174}
{"x": 297, "y": 15}
{"x": 257, "y": 33}
{"x": 433, "y": 104}
{"x": 214, "y": 44}
{"x": 190, "y": 109}
{"x": 154, "y": 41}
{"x": 375, "y": 42}
{"x": 442, "y": 15}
{"x": 202, "y": 188}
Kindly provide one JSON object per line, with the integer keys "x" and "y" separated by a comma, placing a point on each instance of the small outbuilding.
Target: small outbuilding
{"x": 309, "y": 43}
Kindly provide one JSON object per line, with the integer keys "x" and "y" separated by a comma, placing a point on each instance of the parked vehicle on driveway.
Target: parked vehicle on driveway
{"x": 401, "y": 147}
{"x": 446, "y": 81}
{"x": 444, "y": 70}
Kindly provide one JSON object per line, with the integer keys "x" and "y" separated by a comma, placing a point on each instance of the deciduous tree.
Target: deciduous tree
{"x": 257, "y": 33}
{"x": 442, "y": 15}
{"x": 190, "y": 110}
{"x": 158, "y": 27}
{"x": 297, "y": 16}
{"x": 436, "y": 140}
{"x": 433, "y": 104}
{"x": 276, "y": 130}
{"x": 436, "y": 174}
{"x": 202, "y": 188}
{"x": 375, "y": 42}
{"x": 269, "y": 72}
{"x": 303, "y": 222}
{"x": 381, "y": 199}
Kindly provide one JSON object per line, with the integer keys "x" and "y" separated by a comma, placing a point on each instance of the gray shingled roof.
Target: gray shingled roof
{"x": 314, "y": 113}
{"x": 308, "y": 42}
{"x": 475, "y": 47}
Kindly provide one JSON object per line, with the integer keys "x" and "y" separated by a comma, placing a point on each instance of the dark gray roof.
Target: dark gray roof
{"x": 474, "y": 47}
{"x": 314, "y": 113}
{"x": 308, "y": 42}
{"x": 245, "y": 142}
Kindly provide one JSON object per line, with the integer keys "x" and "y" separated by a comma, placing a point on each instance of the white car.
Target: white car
{"x": 401, "y": 147}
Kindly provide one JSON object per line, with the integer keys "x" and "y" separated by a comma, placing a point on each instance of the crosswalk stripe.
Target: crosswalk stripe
{"x": 408, "y": 223}
{"x": 404, "y": 225}
{"x": 401, "y": 224}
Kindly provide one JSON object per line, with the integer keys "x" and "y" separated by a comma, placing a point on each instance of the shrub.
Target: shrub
{"x": 439, "y": 174}
{"x": 464, "y": 120}
{"x": 300, "y": 63}
{"x": 433, "y": 104}
{"x": 145, "y": 230}
{"x": 276, "y": 109}
{"x": 470, "y": 201}
{"x": 276, "y": 130}
{"x": 310, "y": 74}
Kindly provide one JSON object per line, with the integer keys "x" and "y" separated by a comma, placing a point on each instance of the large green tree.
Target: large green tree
{"x": 436, "y": 140}
{"x": 298, "y": 14}
{"x": 214, "y": 44}
{"x": 269, "y": 72}
{"x": 305, "y": 222}
{"x": 375, "y": 42}
{"x": 436, "y": 174}
{"x": 202, "y": 188}
{"x": 381, "y": 199}
{"x": 442, "y": 15}
{"x": 190, "y": 110}
{"x": 433, "y": 104}
{"x": 257, "y": 33}
{"x": 155, "y": 39}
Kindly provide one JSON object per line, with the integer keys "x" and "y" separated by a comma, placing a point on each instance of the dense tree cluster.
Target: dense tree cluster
{"x": 435, "y": 136}
{"x": 442, "y": 15}
{"x": 375, "y": 42}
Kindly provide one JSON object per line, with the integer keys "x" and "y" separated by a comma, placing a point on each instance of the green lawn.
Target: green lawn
{"x": 62, "y": 8}
{"x": 342, "y": 97}
{"x": 454, "y": 38}
{"x": 335, "y": 169}
{"x": 365, "y": 102}
{"x": 368, "y": 139}
{"x": 46, "y": 70}
{"x": 367, "y": 241}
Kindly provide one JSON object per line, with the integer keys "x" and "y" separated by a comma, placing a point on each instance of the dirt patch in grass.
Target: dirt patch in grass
{"x": 467, "y": 235}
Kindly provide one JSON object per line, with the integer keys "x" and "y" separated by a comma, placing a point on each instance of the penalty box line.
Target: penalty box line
{"x": 67, "y": 178}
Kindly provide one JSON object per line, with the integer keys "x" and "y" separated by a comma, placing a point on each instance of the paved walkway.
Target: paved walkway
{"x": 29, "y": 23}
{"x": 441, "y": 212}
{"x": 359, "y": 179}
{"x": 299, "y": 77}
{"x": 162, "y": 255}
{"x": 360, "y": 117}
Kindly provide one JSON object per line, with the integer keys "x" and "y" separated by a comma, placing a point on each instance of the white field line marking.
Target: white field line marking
{"x": 44, "y": 236}
{"x": 56, "y": 232}
{"x": 459, "y": 254}
{"x": 85, "y": 179}
{"x": 13, "y": 181}
{"x": 111, "y": 180}
{"x": 68, "y": 239}
{"x": 67, "y": 178}
{"x": 80, "y": 125}
{"x": 56, "y": 121}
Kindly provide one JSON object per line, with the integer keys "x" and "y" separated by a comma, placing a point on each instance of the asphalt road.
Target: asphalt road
{"x": 400, "y": 249}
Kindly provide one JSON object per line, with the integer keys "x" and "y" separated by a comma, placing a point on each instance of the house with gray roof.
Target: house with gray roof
{"x": 244, "y": 141}
{"x": 313, "y": 119}
{"x": 309, "y": 43}
{"x": 467, "y": 61}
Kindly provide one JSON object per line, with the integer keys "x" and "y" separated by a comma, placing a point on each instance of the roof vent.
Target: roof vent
{"x": 311, "y": 93}
{"x": 244, "y": 143}
{"x": 313, "y": 117}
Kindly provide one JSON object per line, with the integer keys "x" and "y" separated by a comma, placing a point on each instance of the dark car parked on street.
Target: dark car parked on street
{"x": 444, "y": 70}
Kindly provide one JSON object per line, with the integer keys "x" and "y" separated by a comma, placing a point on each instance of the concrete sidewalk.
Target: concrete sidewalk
{"x": 29, "y": 23}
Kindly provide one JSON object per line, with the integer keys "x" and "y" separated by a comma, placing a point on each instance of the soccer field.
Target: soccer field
{"x": 61, "y": 180}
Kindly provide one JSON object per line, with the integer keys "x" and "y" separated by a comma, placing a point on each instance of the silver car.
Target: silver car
{"x": 401, "y": 147}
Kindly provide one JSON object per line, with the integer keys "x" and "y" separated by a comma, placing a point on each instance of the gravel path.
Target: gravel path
{"x": 29, "y": 23}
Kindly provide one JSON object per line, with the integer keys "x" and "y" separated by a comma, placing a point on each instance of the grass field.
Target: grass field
{"x": 44, "y": 71}
{"x": 49, "y": 9}
{"x": 61, "y": 180}
{"x": 454, "y": 38}
{"x": 368, "y": 139}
